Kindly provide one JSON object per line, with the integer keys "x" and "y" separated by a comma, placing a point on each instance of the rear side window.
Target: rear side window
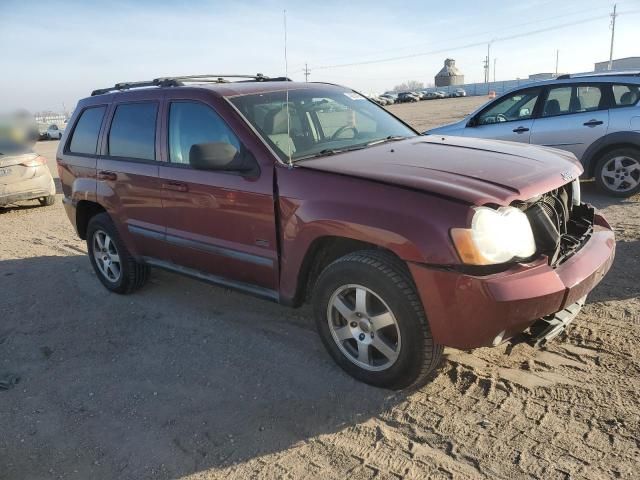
{"x": 85, "y": 135}
{"x": 573, "y": 99}
{"x": 192, "y": 124}
{"x": 626, "y": 95}
{"x": 133, "y": 131}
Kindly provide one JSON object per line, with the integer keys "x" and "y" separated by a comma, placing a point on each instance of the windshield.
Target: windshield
{"x": 320, "y": 121}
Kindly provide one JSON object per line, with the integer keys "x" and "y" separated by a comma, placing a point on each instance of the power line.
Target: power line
{"x": 470, "y": 45}
{"x": 489, "y": 32}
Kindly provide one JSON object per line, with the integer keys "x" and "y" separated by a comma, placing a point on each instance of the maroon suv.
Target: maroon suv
{"x": 307, "y": 191}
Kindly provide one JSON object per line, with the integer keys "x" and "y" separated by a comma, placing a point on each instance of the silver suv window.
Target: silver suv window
{"x": 626, "y": 95}
{"x": 565, "y": 99}
{"x": 517, "y": 106}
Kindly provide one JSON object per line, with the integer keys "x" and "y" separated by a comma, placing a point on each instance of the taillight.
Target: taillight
{"x": 36, "y": 162}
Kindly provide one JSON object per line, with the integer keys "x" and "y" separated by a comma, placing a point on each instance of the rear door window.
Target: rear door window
{"x": 85, "y": 135}
{"x": 626, "y": 95}
{"x": 587, "y": 98}
{"x": 573, "y": 99}
{"x": 133, "y": 131}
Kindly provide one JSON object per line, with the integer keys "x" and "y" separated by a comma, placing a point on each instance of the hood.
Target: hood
{"x": 473, "y": 170}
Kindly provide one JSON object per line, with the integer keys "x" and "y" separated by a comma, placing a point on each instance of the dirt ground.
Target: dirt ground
{"x": 186, "y": 380}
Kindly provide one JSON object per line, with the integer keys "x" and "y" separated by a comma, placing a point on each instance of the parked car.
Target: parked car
{"x": 458, "y": 92}
{"x": 403, "y": 243}
{"x": 24, "y": 175}
{"x": 391, "y": 99}
{"x": 595, "y": 117}
{"x": 380, "y": 100}
{"x": 429, "y": 95}
{"x": 54, "y": 133}
{"x": 405, "y": 97}
{"x": 441, "y": 94}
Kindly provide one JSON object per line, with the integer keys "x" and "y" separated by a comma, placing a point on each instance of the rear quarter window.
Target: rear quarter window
{"x": 85, "y": 135}
{"x": 133, "y": 131}
{"x": 626, "y": 95}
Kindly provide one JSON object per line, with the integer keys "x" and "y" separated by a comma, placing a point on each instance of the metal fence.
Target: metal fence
{"x": 474, "y": 89}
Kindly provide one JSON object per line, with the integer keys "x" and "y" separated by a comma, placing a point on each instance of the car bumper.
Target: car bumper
{"x": 466, "y": 311}
{"x": 36, "y": 187}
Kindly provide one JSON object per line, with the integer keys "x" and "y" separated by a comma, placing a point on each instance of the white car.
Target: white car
{"x": 24, "y": 175}
{"x": 54, "y": 133}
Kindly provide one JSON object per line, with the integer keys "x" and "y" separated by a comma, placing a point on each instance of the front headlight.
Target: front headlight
{"x": 495, "y": 236}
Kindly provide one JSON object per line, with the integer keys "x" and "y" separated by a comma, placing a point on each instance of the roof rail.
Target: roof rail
{"x": 605, "y": 73}
{"x": 181, "y": 80}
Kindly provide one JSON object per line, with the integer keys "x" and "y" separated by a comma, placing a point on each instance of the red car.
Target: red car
{"x": 302, "y": 192}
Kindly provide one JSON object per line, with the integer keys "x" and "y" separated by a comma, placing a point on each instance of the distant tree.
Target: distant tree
{"x": 409, "y": 86}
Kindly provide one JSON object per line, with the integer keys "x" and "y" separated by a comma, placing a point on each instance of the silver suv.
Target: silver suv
{"x": 594, "y": 116}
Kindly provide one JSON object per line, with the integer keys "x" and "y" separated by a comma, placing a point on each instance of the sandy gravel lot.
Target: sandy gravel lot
{"x": 185, "y": 380}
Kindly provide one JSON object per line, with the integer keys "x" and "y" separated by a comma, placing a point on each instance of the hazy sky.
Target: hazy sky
{"x": 55, "y": 52}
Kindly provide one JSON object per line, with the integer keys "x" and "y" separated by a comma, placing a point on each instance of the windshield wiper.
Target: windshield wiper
{"x": 332, "y": 151}
{"x": 390, "y": 138}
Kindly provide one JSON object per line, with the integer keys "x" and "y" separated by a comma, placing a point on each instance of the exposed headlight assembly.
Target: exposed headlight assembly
{"x": 495, "y": 236}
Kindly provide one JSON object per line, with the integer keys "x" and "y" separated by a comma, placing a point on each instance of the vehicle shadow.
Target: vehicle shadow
{"x": 591, "y": 194}
{"x": 621, "y": 281}
{"x": 178, "y": 378}
{"x": 18, "y": 206}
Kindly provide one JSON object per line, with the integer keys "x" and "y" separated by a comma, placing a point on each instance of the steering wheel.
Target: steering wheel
{"x": 344, "y": 128}
{"x": 501, "y": 118}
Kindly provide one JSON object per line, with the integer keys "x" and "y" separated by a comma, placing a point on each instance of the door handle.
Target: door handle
{"x": 520, "y": 130}
{"x": 107, "y": 175}
{"x": 593, "y": 123}
{"x": 175, "y": 186}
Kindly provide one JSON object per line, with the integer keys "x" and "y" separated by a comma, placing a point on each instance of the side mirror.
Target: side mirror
{"x": 220, "y": 156}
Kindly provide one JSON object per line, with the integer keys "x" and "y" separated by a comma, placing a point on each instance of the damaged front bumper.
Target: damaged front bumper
{"x": 469, "y": 311}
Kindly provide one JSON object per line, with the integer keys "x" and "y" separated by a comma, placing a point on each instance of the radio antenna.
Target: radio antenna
{"x": 286, "y": 76}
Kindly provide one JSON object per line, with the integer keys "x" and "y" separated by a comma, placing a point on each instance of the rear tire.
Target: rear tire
{"x": 392, "y": 314}
{"x": 617, "y": 173}
{"x": 115, "y": 267}
{"x": 47, "y": 201}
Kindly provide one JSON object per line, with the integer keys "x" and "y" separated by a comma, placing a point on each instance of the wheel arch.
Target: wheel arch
{"x": 605, "y": 144}
{"x": 85, "y": 210}
{"x": 321, "y": 252}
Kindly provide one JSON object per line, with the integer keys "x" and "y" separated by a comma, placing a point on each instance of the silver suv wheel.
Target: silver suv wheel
{"x": 621, "y": 173}
{"x": 363, "y": 327}
{"x": 106, "y": 256}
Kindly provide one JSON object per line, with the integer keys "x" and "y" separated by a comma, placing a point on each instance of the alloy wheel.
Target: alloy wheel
{"x": 106, "y": 256}
{"x": 621, "y": 173}
{"x": 364, "y": 327}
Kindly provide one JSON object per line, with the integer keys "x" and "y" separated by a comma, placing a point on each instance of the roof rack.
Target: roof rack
{"x": 182, "y": 80}
{"x": 605, "y": 73}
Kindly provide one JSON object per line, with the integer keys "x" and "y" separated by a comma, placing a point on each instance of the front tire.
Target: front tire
{"x": 371, "y": 321}
{"x": 118, "y": 271}
{"x": 618, "y": 172}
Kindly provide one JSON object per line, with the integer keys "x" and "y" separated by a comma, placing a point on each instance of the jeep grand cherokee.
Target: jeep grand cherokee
{"x": 307, "y": 191}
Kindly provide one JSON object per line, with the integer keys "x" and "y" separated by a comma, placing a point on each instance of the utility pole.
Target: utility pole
{"x": 613, "y": 33}
{"x": 494, "y": 69}
{"x": 487, "y": 73}
{"x": 557, "y": 59}
{"x": 307, "y": 72}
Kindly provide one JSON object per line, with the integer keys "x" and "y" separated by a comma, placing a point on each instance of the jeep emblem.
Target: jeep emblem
{"x": 566, "y": 176}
